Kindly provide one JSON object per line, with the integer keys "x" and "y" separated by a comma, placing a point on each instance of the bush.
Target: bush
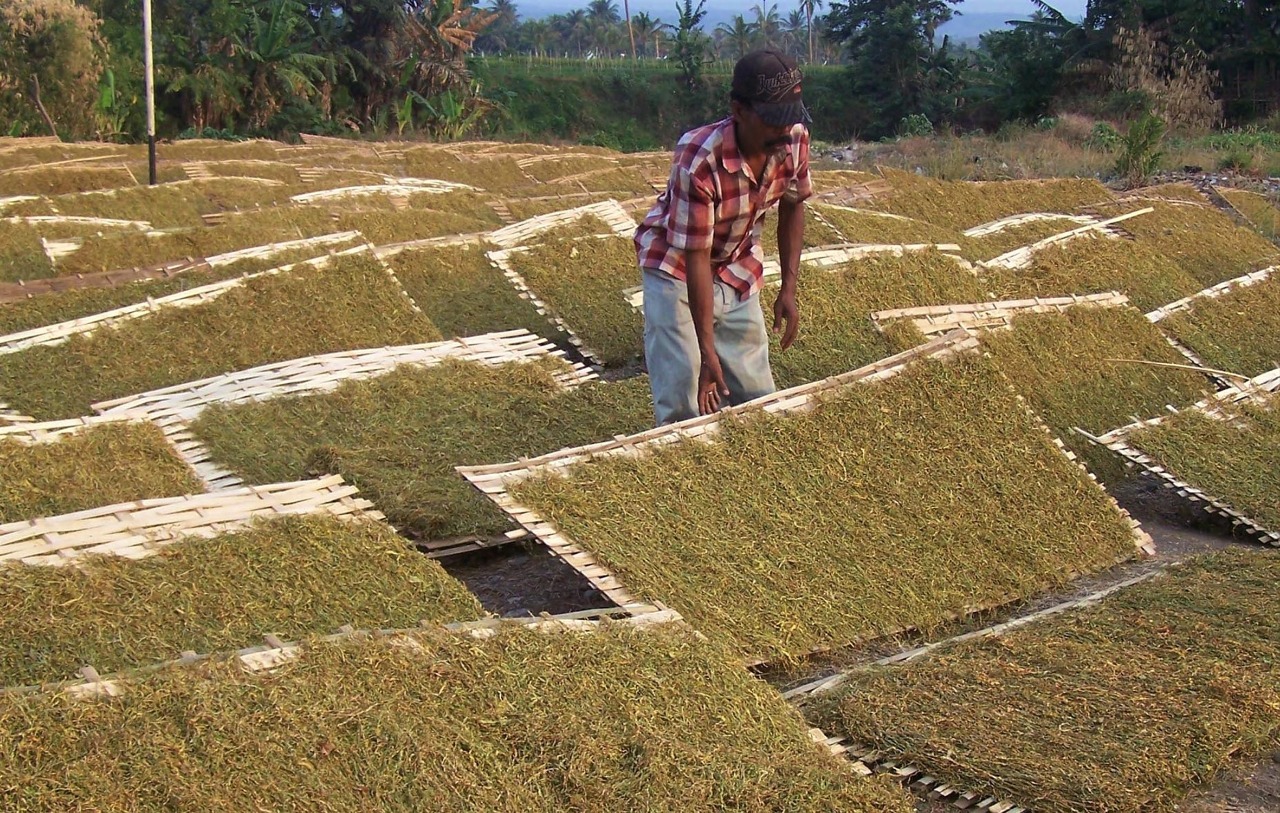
{"x": 916, "y": 125}
{"x": 1236, "y": 158}
{"x": 1104, "y": 136}
{"x": 1141, "y": 149}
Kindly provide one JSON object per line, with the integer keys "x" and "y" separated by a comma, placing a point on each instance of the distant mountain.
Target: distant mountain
{"x": 968, "y": 27}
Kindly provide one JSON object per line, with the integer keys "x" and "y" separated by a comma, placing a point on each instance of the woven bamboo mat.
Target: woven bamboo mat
{"x": 31, "y": 433}
{"x": 518, "y": 234}
{"x": 138, "y": 529}
{"x": 173, "y": 408}
{"x": 934, "y": 320}
{"x": 1221, "y": 289}
{"x": 389, "y": 186}
{"x": 997, "y": 226}
{"x": 1117, "y": 440}
{"x": 1020, "y": 258}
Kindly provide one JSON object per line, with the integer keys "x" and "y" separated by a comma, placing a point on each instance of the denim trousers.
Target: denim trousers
{"x": 671, "y": 346}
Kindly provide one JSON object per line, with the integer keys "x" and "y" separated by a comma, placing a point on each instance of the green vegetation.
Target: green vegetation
{"x": 102, "y": 465}
{"x": 524, "y": 722}
{"x": 1234, "y": 460}
{"x": 785, "y": 566}
{"x": 837, "y": 334}
{"x": 1238, "y": 332}
{"x": 1124, "y": 707}
{"x": 290, "y": 576}
{"x": 399, "y": 436}
{"x": 350, "y": 304}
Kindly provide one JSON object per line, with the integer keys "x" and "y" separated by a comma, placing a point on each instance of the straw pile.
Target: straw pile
{"x": 523, "y": 722}
{"x": 290, "y": 576}
{"x": 463, "y": 293}
{"x": 836, "y": 332}
{"x": 398, "y": 437}
{"x": 21, "y": 253}
{"x": 877, "y": 228}
{"x": 1082, "y": 368}
{"x": 1090, "y": 265}
{"x": 1122, "y": 708}
{"x": 1238, "y": 331}
{"x": 350, "y": 304}
{"x": 787, "y": 534}
{"x": 102, "y": 465}
{"x": 1234, "y": 457}
{"x": 582, "y": 281}
{"x": 1259, "y": 210}
{"x": 959, "y": 205}
{"x": 1202, "y": 240}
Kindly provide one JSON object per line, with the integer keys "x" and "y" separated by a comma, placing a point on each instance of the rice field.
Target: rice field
{"x": 904, "y": 502}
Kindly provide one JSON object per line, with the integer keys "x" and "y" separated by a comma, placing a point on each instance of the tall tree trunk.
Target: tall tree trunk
{"x": 35, "y": 96}
{"x": 808, "y": 27}
{"x": 626, "y": 9}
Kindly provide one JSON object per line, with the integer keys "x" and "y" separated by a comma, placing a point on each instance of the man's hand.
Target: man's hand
{"x": 785, "y": 311}
{"x": 711, "y": 386}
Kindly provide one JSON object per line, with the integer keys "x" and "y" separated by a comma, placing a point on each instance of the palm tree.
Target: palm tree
{"x": 793, "y": 31}
{"x": 649, "y": 29}
{"x": 281, "y": 65}
{"x": 810, "y": 6}
{"x": 767, "y": 24}
{"x": 573, "y": 28}
{"x": 738, "y": 34}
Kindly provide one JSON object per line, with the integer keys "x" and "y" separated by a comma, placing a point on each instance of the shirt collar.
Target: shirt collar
{"x": 730, "y": 157}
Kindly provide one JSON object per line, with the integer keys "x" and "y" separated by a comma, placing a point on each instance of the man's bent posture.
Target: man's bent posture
{"x": 705, "y": 341}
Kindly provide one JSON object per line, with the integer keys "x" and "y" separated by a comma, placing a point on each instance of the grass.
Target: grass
{"x": 1238, "y": 332}
{"x": 1139, "y": 269}
{"x": 837, "y": 526}
{"x": 63, "y": 306}
{"x": 464, "y": 294}
{"x": 1233, "y": 460}
{"x": 1063, "y": 363}
{"x": 1258, "y": 209}
{"x": 527, "y": 722}
{"x": 351, "y": 304}
{"x": 398, "y": 437}
{"x": 870, "y": 227}
{"x": 582, "y": 281}
{"x": 102, "y": 465}
{"x": 22, "y": 254}
{"x": 836, "y": 332}
{"x": 1203, "y": 241}
{"x": 1121, "y": 708}
{"x": 290, "y": 576}
{"x": 958, "y": 206}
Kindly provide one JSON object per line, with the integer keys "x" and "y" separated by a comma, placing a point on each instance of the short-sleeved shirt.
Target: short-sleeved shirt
{"x": 712, "y": 201}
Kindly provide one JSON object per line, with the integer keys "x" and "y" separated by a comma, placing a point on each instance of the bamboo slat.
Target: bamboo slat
{"x": 933, "y": 320}
{"x": 1221, "y": 289}
{"x": 518, "y": 234}
{"x": 397, "y": 186}
{"x": 35, "y": 432}
{"x": 104, "y": 222}
{"x": 6, "y": 202}
{"x": 139, "y": 529}
{"x": 997, "y": 226}
{"x": 1021, "y": 257}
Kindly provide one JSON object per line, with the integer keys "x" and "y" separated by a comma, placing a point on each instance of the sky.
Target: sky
{"x": 976, "y": 15}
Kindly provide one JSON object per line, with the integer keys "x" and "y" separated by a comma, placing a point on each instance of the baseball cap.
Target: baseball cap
{"x": 769, "y": 81}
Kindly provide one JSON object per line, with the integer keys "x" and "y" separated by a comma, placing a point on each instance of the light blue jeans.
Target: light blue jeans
{"x": 671, "y": 346}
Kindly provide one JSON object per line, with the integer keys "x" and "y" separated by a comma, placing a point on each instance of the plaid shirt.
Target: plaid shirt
{"x": 713, "y": 202}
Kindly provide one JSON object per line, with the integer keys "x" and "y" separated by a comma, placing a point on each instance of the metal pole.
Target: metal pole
{"x": 150, "y": 91}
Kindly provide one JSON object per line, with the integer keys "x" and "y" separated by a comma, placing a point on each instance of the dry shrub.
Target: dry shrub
{"x": 1232, "y": 457}
{"x": 59, "y": 43}
{"x": 523, "y": 722}
{"x": 1074, "y": 128}
{"x": 1124, "y": 707}
{"x": 1176, "y": 82}
{"x": 103, "y": 465}
{"x": 464, "y": 294}
{"x": 836, "y": 332}
{"x": 353, "y": 303}
{"x": 399, "y": 436}
{"x": 1238, "y": 332}
{"x": 889, "y": 505}
{"x": 289, "y": 576}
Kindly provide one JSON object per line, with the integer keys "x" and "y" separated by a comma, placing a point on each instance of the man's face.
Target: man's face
{"x": 756, "y": 133}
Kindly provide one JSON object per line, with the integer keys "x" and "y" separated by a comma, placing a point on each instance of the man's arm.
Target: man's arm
{"x": 790, "y": 240}
{"x": 701, "y": 285}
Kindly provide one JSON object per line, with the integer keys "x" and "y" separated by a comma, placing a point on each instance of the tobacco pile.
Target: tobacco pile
{"x": 890, "y": 505}
{"x": 172, "y": 205}
{"x": 1122, "y": 708}
{"x": 1235, "y": 460}
{"x": 66, "y": 180}
{"x": 492, "y": 174}
{"x": 22, "y": 254}
{"x": 869, "y": 226}
{"x": 101, "y": 465}
{"x": 1173, "y": 191}
{"x": 350, "y": 304}
{"x": 836, "y": 333}
{"x": 960, "y": 205}
{"x": 464, "y": 294}
{"x": 1238, "y": 332}
{"x": 1259, "y": 210}
{"x": 289, "y": 576}
{"x": 524, "y": 722}
{"x": 816, "y": 231}
{"x": 398, "y": 437}
{"x": 581, "y": 281}
{"x": 1082, "y": 368}
{"x": 990, "y": 246}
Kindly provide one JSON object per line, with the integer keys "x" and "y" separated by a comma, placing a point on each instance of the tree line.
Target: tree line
{"x": 271, "y": 67}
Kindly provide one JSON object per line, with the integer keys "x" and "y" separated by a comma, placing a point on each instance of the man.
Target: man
{"x": 705, "y": 340}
